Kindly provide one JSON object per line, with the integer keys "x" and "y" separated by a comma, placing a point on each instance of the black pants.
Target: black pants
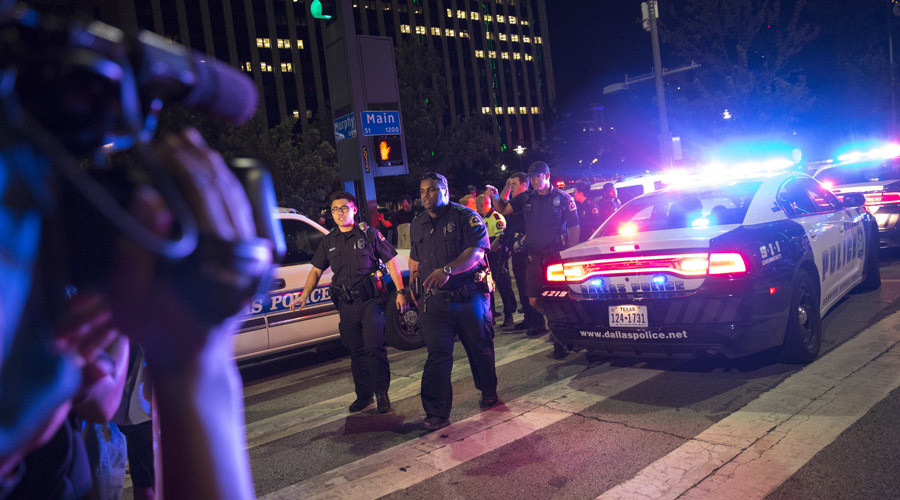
{"x": 362, "y": 331}
{"x": 520, "y": 264}
{"x": 440, "y": 321}
{"x": 499, "y": 262}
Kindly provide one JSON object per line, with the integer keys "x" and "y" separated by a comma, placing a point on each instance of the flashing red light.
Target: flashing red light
{"x": 772, "y": 290}
{"x": 689, "y": 265}
{"x": 560, "y": 184}
{"x": 623, "y": 248}
{"x": 882, "y": 198}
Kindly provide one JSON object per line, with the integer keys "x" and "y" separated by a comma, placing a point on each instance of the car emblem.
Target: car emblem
{"x": 360, "y": 244}
{"x": 556, "y": 201}
{"x": 451, "y": 227}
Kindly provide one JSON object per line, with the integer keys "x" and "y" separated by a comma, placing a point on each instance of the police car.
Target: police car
{"x": 876, "y": 175}
{"x": 734, "y": 268}
{"x": 271, "y": 325}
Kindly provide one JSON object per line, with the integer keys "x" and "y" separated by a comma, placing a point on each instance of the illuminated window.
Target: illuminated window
{"x": 537, "y": 39}
{"x": 449, "y": 13}
{"x": 512, "y": 19}
{"x": 524, "y": 22}
{"x": 296, "y": 113}
{"x": 449, "y": 32}
{"x": 300, "y": 44}
{"x": 489, "y": 35}
{"x": 280, "y": 43}
{"x": 486, "y": 110}
{"x": 502, "y": 37}
{"x": 517, "y": 56}
{"x": 487, "y": 17}
{"x": 287, "y": 67}
{"x": 420, "y": 30}
{"x": 511, "y": 110}
{"x": 404, "y": 28}
{"x": 526, "y": 39}
{"x": 504, "y": 55}
{"x": 479, "y": 53}
{"x": 309, "y": 113}
{"x": 474, "y": 16}
{"x": 528, "y": 57}
{"x": 523, "y": 110}
{"x": 535, "y": 110}
{"x": 247, "y": 65}
{"x": 492, "y": 54}
{"x": 436, "y": 31}
{"x": 501, "y": 19}
{"x": 266, "y": 67}
{"x": 498, "y": 110}
{"x": 464, "y": 34}
{"x": 514, "y": 37}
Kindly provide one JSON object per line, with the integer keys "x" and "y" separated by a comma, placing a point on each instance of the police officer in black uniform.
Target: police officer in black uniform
{"x": 588, "y": 213}
{"x": 447, "y": 259}
{"x": 353, "y": 252}
{"x": 551, "y": 224}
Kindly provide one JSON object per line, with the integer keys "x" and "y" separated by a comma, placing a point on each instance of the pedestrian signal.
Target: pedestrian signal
{"x": 388, "y": 151}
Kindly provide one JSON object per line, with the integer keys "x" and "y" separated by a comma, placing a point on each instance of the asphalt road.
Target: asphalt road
{"x": 613, "y": 428}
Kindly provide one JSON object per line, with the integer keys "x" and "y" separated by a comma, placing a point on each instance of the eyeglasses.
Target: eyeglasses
{"x": 343, "y": 209}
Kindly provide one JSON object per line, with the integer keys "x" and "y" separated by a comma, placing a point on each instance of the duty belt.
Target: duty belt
{"x": 459, "y": 294}
{"x": 361, "y": 291}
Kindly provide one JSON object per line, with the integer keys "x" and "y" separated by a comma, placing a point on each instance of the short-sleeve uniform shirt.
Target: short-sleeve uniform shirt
{"x": 495, "y": 223}
{"x": 547, "y": 217}
{"x": 437, "y": 241}
{"x": 352, "y": 255}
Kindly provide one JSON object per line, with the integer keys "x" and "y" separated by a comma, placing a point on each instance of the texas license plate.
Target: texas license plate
{"x": 628, "y": 316}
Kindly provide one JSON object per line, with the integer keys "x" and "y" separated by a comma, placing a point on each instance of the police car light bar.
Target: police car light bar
{"x": 690, "y": 265}
{"x": 884, "y": 152}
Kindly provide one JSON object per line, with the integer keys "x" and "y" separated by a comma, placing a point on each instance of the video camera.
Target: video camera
{"x": 70, "y": 88}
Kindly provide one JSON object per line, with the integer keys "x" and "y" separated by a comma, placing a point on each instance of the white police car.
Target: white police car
{"x": 876, "y": 175}
{"x": 270, "y": 324}
{"x": 732, "y": 269}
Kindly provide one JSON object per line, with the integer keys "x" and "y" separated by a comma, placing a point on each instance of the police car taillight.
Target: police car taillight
{"x": 688, "y": 265}
{"x": 882, "y": 198}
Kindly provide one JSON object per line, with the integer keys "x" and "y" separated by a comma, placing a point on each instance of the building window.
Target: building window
{"x": 474, "y": 16}
{"x": 511, "y": 110}
{"x": 404, "y": 28}
{"x": 287, "y": 67}
{"x": 436, "y": 31}
{"x": 498, "y": 110}
{"x": 500, "y": 19}
{"x": 266, "y": 67}
{"x": 488, "y": 18}
{"x": 512, "y": 19}
{"x": 528, "y": 57}
{"x": 514, "y": 38}
{"x": 248, "y": 66}
{"x": 263, "y": 42}
{"x": 524, "y": 23}
{"x": 420, "y": 30}
{"x": 486, "y": 110}
{"x": 492, "y": 54}
{"x": 526, "y": 39}
{"x": 479, "y": 54}
{"x": 489, "y": 35}
{"x": 537, "y": 39}
{"x": 517, "y": 56}
{"x": 300, "y": 44}
{"x": 523, "y": 110}
{"x": 296, "y": 113}
{"x": 449, "y": 32}
{"x": 449, "y": 13}
{"x": 502, "y": 37}
{"x": 460, "y": 14}
{"x": 535, "y": 110}
{"x": 464, "y": 34}
{"x": 504, "y": 55}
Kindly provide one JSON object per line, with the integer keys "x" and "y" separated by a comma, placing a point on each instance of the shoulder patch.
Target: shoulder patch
{"x": 475, "y": 221}
{"x": 572, "y": 207}
{"x": 500, "y": 224}
{"x": 379, "y": 235}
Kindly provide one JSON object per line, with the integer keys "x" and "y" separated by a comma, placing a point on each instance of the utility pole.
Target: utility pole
{"x": 665, "y": 137}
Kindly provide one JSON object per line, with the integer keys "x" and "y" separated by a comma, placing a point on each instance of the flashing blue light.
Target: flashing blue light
{"x": 700, "y": 222}
{"x": 596, "y": 282}
{"x": 658, "y": 279}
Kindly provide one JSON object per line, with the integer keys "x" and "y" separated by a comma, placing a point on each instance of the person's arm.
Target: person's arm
{"x": 394, "y": 270}
{"x": 312, "y": 279}
{"x": 103, "y": 382}
{"x": 574, "y": 234}
{"x": 469, "y": 258}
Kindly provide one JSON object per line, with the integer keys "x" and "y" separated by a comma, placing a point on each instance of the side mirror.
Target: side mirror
{"x": 853, "y": 200}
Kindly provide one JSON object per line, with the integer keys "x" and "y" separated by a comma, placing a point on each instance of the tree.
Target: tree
{"x": 749, "y": 51}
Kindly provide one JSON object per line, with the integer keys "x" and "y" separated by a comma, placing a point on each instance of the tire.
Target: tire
{"x": 803, "y": 336}
{"x": 402, "y": 330}
{"x": 872, "y": 280}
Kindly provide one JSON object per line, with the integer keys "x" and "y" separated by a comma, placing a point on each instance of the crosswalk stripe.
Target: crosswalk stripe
{"x": 752, "y": 451}
{"x": 417, "y": 460}
{"x": 291, "y": 422}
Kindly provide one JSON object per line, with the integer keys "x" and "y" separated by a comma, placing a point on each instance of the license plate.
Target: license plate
{"x": 628, "y": 316}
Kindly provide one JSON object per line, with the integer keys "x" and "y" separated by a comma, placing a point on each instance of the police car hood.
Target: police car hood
{"x": 693, "y": 238}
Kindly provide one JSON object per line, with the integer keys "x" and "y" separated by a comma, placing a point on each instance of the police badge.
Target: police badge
{"x": 451, "y": 226}
{"x": 556, "y": 201}
{"x": 360, "y": 244}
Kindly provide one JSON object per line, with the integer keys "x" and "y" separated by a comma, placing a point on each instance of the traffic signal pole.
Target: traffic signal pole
{"x": 665, "y": 137}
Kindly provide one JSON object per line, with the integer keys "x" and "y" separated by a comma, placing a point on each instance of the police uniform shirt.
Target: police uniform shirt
{"x": 352, "y": 255}
{"x": 495, "y": 223}
{"x": 438, "y": 241}
{"x": 547, "y": 217}
{"x": 588, "y": 218}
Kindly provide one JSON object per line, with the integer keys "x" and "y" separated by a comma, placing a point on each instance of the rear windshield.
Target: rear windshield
{"x": 856, "y": 173}
{"x": 690, "y": 207}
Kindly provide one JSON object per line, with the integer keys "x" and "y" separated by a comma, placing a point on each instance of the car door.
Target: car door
{"x": 318, "y": 320}
{"x": 822, "y": 222}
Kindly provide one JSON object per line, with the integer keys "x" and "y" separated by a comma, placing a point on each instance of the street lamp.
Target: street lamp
{"x": 503, "y": 168}
{"x": 520, "y": 150}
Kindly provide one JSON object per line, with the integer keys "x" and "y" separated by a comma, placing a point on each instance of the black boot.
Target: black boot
{"x": 360, "y": 404}
{"x": 383, "y": 402}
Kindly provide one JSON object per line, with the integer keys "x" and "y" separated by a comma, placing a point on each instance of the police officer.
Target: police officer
{"x": 515, "y": 238}
{"x": 551, "y": 224}
{"x": 449, "y": 243}
{"x": 498, "y": 258}
{"x": 588, "y": 213}
{"x": 608, "y": 202}
{"x": 353, "y": 252}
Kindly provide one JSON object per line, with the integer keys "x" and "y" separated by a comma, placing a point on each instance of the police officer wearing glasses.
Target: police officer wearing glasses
{"x": 449, "y": 243}
{"x": 353, "y": 252}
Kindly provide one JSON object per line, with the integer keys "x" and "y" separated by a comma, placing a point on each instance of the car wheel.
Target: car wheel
{"x": 402, "y": 330}
{"x": 803, "y": 337}
{"x": 872, "y": 280}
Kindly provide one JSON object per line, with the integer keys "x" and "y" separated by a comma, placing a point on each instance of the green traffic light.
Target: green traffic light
{"x": 316, "y": 9}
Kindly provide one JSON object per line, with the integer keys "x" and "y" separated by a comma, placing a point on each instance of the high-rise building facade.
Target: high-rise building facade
{"x": 495, "y": 53}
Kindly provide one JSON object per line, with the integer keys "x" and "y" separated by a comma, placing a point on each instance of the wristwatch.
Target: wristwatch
{"x": 448, "y": 270}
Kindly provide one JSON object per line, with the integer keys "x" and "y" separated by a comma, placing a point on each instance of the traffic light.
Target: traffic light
{"x": 388, "y": 151}
{"x": 322, "y": 9}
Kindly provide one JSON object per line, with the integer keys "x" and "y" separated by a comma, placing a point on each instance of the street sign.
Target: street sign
{"x": 344, "y": 128}
{"x": 380, "y": 123}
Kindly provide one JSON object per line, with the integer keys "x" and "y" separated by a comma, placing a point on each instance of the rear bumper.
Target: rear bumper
{"x": 711, "y": 320}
